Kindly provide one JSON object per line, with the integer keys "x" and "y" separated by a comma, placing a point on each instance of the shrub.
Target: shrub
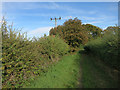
{"x": 106, "y": 48}
{"x": 24, "y": 59}
{"x": 52, "y": 47}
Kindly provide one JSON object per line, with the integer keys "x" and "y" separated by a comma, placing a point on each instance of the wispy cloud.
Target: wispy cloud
{"x": 51, "y": 5}
{"x": 54, "y": 6}
{"x": 93, "y": 22}
{"x": 97, "y": 19}
{"x": 82, "y": 17}
{"x": 39, "y": 31}
{"x": 67, "y": 17}
{"x": 39, "y": 14}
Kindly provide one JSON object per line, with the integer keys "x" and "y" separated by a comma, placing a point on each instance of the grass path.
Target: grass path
{"x": 95, "y": 74}
{"x": 77, "y": 71}
{"x": 64, "y": 74}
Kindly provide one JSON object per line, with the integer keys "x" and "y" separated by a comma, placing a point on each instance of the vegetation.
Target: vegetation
{"x": 23, "y": 59}
{"x": 64, "y": 74}
{"x": 40, "y": 61}
{"x": 52, "y": 47}
{"x": 67, "y": 74}
{"x": 106, "y": 48}
{"x": 93, "y": 31}
{"x": 75, "y": 33}
{"x": 96, "y": 74}
{"x": 72, "y": 32}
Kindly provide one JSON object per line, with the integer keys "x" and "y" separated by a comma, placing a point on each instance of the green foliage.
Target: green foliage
{"x": 64, "y": 74}
{"x": 54, "y": 47}
{"x": 72, "y": 32}
{"x": 93, "y": 31}
{"x": 24, "y": 59}
{"x": 106, "y": 47}
{"x": 111, "y": 29}
{"x": 75, "y": 33}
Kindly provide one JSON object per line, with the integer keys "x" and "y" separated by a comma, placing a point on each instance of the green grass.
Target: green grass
{"x": 79, "y": 70}
{"x": 95, "y": 74}
{"x": 64, "y": 74}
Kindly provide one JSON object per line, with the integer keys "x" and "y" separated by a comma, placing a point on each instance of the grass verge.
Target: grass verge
{"x": 64, "y": 74}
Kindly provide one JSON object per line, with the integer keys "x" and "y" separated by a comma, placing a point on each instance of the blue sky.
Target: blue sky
{"x": 34, "y": 17}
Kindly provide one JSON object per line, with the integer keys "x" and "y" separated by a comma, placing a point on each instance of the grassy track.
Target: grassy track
{"x": 95, "y": 74}
{"x": 79, "y": 70}
{"x": 64, "y": 74}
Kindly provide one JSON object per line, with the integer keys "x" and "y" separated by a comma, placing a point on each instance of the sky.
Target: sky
{"x": 34, "y": 17}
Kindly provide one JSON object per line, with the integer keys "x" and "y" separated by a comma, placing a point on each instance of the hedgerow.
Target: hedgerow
{"x": 23, "y": 59}
{"x": 106, "y": 47}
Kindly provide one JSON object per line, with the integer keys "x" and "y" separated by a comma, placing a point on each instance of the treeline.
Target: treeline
{"x": 101, "y": 43}
{"x": 75, "y": 33}
{"x": 23, "y": 59}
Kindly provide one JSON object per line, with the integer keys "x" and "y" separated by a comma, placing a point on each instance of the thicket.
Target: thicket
{"x": 23, "y": 59}
{"x": 75, "y": 33}
{"x": 72, "y": 32}
{"x": 106, "y": 47}
{"x": 93, "y": 31}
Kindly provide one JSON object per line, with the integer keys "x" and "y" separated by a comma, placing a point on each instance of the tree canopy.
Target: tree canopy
{"x": 93, "y": 31}
{"x": 72, "y": 32}
{"x": 75, "y": 33}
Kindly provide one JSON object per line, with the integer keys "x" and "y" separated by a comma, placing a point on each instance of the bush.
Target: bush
{"x": 23, "y": 59}
{"x": 20, "y": 60}
{"x": 54, "y": 47}
{"x": 72, "y": 32}
{"x": 106, "y": 48}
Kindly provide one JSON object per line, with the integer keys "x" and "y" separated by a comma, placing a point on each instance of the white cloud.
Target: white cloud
{"x": 104, "y": 28}
{"x": 67, "y": 17}
{"x": 99, "y": 17}
{"x": 39, "y": 31}
{"x": 95, "y": 22}
{"x": 51, "y": 5}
